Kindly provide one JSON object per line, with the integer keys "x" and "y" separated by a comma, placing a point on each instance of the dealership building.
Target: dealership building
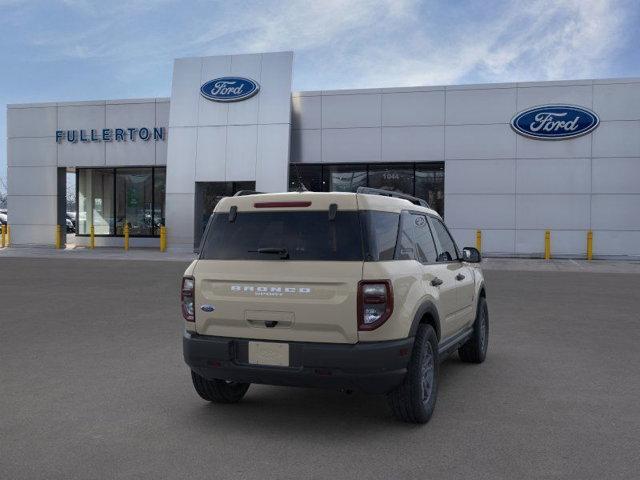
{"x": 512, "y": 159}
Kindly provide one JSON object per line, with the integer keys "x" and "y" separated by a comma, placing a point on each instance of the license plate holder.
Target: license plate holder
{"x": 274, "y": 354}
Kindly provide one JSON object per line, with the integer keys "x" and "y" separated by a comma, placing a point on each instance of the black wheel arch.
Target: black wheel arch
{"x": 427, "y": 313}
{"x": 482, "y": 291}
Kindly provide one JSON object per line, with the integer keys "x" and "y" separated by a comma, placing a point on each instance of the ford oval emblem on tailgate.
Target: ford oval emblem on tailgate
{"x": 207, "y": 308}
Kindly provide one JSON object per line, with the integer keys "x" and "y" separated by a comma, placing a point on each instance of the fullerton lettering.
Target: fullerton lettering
{"x": 110, "y": 135}
{"x": 548, "y": 122}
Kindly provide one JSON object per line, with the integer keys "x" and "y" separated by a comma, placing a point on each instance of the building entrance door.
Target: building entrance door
{"x": 208, "y": 194}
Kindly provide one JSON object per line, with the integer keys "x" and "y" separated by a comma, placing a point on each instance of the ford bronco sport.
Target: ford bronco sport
{"x": 356, "y": 291}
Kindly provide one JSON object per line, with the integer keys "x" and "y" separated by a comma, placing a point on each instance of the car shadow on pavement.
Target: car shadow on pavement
{"x": 308, "y": 411}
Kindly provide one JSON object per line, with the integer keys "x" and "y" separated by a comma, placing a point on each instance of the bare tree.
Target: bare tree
{"x": 3, "y": 193}
{"x": 71, "y": 192}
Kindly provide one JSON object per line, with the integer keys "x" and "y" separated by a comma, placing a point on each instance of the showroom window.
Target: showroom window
{"x": 429, "y": 185}
{"x": 95, "y": 201}
{"x": 392, "y": 177}
{"x": 208, "y": 194}
{"x": 344, "y": 178}
{"x": 110, "y": 198}
{"x": 423, "y": 180}
{"x": 309, "y": 175}
{"x": 134, "y": 201}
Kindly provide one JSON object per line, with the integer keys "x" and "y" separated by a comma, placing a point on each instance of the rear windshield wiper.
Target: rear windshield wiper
{"x": 284, "y": 254}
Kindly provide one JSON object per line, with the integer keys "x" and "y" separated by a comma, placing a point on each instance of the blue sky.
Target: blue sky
{"x": 85, "y": 49}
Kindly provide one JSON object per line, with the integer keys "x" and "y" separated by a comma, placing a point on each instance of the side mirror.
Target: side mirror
{"x": 471, "y": 255}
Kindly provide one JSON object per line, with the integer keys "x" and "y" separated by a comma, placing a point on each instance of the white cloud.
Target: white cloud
{"x": 556, "y": 39}
{"x": 338, "y": 44}
{"x": 543, "y": 40}
{"x": 362, "y": 43}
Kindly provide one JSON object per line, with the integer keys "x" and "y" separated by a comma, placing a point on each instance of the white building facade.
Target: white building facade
{"x": 511, "y": 160}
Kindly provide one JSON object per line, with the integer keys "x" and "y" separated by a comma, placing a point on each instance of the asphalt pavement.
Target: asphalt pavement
{"x": 92, "y": 385}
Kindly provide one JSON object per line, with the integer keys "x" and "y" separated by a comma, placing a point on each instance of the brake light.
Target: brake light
{"x": 187, "y": 299}
{"x": 375, "y": 303}
{"x": 281, "y": 204}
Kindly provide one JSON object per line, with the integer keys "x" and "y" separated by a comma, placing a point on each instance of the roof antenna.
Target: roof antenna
{"x": 301, "y": 188}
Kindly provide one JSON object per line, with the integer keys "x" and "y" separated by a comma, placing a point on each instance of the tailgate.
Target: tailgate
{"x": 305, "y": 301}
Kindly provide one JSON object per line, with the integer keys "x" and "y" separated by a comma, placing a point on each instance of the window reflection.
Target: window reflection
{"x": 159, "y": 194}
{"x": 309, "y": 175}
{"x": 430, "y": 185}
{"x": 134, "y": 191}
{"x": 110, "y": 198}
{"x": 423, "y": 180}
{"x": 208, "y": 194}
{"x": 344, "y": 178}
{"x": 95, "y": 201}
{"x": 392, "y": 177}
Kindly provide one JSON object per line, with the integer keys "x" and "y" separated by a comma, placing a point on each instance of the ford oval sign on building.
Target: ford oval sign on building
{"x": 555, "y": 122}
{"x": 229, "y": 89}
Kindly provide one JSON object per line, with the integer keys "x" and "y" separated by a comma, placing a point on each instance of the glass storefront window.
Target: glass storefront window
{"x": 423, "y": 180}
{"x": 344, "y": 178}
{"x": 208, "y": 194}
{"x": 95, "y": 201}
{"x": 110, "y": 198}
{"x": 134, "y": 190}
{"x": 430, "y": 185}
{"x": 392, "y": 177}
{"x": 309, "y": 175}
{"x": 159, "y": 194}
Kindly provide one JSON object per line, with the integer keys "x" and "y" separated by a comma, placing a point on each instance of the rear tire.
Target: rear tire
{"x": 219, "y": 391}
{"x": 415, "y": 400}
{"x": 475, "y": 349}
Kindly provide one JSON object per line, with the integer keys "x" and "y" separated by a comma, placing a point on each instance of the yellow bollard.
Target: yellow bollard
{"x": 8, "y": 235}
{"x": 92, "y": 237}
{"x": 126, "y": 237}
{"x": 547, "y": 244}
{"x": 479, "y": 240}
{"x": 58, "y": 237}
{"x": 589, "y": 245}
{"x": 163, "y": 238}
{"x": 3, "y": 234}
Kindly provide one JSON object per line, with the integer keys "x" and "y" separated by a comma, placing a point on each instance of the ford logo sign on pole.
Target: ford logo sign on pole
{"x": 229, "y": 89}
{"x": 555, "y": 122}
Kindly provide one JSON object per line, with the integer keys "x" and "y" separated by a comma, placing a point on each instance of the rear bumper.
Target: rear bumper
{"x": 374, "y": 367}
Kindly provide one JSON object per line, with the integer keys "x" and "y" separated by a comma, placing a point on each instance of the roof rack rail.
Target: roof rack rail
{"x": 388, "y": 193}
{"x": 242, "y": 193}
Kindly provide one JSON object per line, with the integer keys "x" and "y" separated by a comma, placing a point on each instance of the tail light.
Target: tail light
{"x": 187, "y": 299}
{"x": 375, "y": 303}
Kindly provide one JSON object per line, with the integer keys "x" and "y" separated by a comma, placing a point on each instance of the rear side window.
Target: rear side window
{"x": 306, "y": 235}
{"x": 425, "y": 248}
{"x": 415, "y": 241}
{"x": 447, "y": 250}
{"x": 380, "y": 231}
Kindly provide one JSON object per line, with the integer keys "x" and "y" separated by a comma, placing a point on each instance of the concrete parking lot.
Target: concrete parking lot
{"x": 92, "y": 385}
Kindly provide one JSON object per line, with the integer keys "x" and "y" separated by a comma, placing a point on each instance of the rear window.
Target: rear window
{"x": 306, "y": 235}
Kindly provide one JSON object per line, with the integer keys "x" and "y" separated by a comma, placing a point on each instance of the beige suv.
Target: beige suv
{"x": 356, "y": 291}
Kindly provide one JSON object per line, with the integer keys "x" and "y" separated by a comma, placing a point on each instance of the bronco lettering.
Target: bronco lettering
{"x": 273, "y": 291}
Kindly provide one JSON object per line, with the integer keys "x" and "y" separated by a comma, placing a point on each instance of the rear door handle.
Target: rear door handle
{"x": 436, "y": 281}
{"x": 460, "y": 277}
